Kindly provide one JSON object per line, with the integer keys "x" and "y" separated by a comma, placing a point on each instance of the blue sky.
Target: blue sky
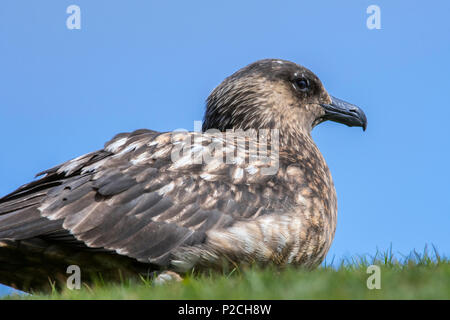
{"x": 149, "y": 64}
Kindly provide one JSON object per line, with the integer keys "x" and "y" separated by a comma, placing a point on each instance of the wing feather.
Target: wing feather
{"x": 132, "y": 198}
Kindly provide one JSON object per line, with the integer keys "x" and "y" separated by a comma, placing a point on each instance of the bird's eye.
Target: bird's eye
{"x": 302, "y": 84}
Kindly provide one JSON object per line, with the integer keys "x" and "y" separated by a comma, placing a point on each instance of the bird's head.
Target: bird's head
{"x": 274, "y": 93}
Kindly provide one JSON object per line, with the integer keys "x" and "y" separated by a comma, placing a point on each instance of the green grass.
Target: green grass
{"x": 416, "y": 276}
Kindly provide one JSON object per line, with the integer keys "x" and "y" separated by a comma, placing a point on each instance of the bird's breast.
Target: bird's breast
{"x": 300, "y": 237}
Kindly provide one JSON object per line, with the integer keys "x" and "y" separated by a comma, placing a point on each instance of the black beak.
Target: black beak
{"x": 344, "y": 112}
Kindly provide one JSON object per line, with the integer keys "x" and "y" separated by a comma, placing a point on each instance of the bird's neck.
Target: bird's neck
{"x": 296, "y": 144}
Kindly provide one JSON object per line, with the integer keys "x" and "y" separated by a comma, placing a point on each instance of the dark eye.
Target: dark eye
{"x": 302, "y": 84}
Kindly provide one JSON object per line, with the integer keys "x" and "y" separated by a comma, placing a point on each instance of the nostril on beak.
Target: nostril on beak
{"x": 353, "y": 111}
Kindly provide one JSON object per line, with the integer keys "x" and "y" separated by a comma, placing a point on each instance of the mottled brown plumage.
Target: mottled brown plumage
{"x": 131, "y": 206}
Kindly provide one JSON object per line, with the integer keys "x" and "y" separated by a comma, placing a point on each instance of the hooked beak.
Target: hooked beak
{"x": 344, "y": 112}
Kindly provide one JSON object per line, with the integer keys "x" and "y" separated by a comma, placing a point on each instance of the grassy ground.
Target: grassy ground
{"x": 417, "y": 276}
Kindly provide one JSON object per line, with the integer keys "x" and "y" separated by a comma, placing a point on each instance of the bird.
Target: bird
{"x": 167, "y": 203}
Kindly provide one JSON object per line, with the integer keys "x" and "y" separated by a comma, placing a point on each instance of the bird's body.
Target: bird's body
{"x": 177, "y": 201}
